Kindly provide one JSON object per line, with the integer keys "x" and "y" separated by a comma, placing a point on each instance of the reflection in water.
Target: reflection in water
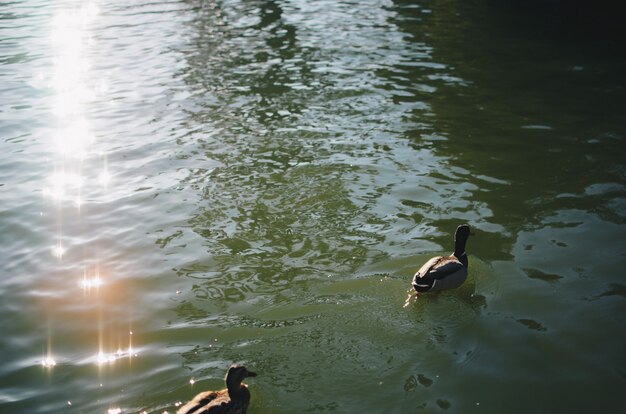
{"x": 71, "y": 83}
{"x": 72, "y": 140}
{"x": 283, "y": 166}
{"x": 336, "y": 141}
{"x": 72, "y": 143}
{"x": 287, "y": 107}
{"x": 308, "y": 137}
{"x": 92, "y": 281}
{"x": 58, "y": 251}
{"x": 48, "y": 362}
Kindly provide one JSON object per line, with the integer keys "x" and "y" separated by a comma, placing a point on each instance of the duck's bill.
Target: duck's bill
{"x": 251, "y": 374}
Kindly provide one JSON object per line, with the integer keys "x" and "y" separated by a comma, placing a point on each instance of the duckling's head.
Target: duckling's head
{"x": 236, "y": 374}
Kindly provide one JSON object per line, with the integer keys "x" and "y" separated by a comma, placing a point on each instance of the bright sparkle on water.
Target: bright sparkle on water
{"x": 104, "y": 178}
{"x": 103, "y": 358}
{"x": 60, "y": 182}
{"x": 58, "y": 251}
{"x": 94, "y": 282}
{"x": 74, "y": 88}
{"x": 48, "y": 362}
{"x": 91, "y": 281}
{"x": 71, "y": 142}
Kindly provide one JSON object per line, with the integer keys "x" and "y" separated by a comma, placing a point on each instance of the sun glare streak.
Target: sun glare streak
{"x": 74, "y": 86}
{"x": 91, "y": 283}
{"x": 131, "y": 351}
{"x": 104, "y": 177}
{"x": 79, "y": 168}
{"x": 74, "y": 140}
{"x": 61, "y": 180}
{"x": 70, "y": 39}
{"x": 58, "y": 251}
{"x": 48, "y": 362}
{"x": 103, "y": 358}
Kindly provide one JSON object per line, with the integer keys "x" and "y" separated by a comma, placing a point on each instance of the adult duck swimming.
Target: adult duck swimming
{"x": 445, "y": 272}
{"x": 232, "y": 400}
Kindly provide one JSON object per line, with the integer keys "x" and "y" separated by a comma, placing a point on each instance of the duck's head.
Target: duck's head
{"x": 462, "y": 232}
{"x": 236, "y": 374}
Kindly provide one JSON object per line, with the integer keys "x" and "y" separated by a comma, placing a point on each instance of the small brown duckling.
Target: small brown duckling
{"x": 445, "y": 272}
{"x": 233, "y": 400}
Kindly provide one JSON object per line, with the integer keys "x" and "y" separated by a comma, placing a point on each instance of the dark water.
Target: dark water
{"x": 186, "y": 184}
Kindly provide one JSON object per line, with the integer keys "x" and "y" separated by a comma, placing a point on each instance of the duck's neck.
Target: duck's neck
{"x": 234, "y": 387}
{"x": 459, "y": 251}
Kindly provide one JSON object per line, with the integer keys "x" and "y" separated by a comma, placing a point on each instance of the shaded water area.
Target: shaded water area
{"x": 188, "y": 184}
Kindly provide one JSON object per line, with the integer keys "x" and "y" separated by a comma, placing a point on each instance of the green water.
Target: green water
{"x": 188, "y": 184}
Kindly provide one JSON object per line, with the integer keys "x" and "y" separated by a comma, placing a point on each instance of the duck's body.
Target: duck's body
{"x": 445, "y": 272}
{"x": 232, "y": 400}
{"x": 215, "y": 402}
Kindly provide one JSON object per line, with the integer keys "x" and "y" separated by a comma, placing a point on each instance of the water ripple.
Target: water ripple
{"x": 204, "y": 182}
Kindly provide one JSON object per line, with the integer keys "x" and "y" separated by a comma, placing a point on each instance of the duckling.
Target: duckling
{"x": 233, "y": 400}
{"x": 445, "y": 272}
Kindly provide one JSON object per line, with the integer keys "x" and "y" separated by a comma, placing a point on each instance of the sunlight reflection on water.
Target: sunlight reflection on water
{"x": 75, "y": 88}
{"x": 71, "y": 82}
{"x": 257, "y": 180}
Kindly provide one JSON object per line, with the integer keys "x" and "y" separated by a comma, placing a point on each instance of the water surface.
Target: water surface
{"x": 187, "y": 184}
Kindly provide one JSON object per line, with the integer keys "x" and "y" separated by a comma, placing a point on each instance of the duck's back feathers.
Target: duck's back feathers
{"x": 440, "y": 273}
{"x": 202, "y": 400}
{"x": 215, "y": 402}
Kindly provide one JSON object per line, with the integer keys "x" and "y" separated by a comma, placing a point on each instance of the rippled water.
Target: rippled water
{"x": 190, "y": 183}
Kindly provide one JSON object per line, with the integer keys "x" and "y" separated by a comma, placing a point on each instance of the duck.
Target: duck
{"x": 445, "y": 272}
{"x": 232, "y": 400}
